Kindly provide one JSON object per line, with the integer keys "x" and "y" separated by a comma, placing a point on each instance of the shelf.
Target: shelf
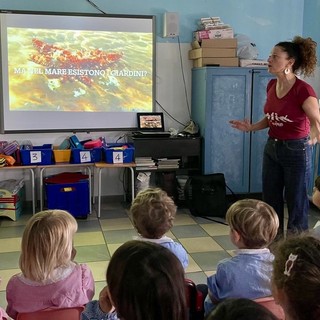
{"x": 188, "y": 150}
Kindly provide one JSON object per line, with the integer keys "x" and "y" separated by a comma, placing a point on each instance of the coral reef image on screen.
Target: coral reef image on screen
{"x": 77, "y": 70}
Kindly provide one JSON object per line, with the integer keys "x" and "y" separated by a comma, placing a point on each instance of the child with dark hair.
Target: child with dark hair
{"x": 296, "y": 277}
{"x": 240, "y": 309}
{"x": 145, "y": 281}
{"x": 153, "y": 213}
{"x": 253, "y": 226}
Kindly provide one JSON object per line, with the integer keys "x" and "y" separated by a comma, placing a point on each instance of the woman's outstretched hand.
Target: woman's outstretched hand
{"x": 242, "y": 125}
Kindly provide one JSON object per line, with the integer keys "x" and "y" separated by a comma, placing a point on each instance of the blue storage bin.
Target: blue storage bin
{"x": 86, "y": 156}
{"x": 38, "y": 155}
{"x": 113, "y": 153}
{"x": 72, "y": 197}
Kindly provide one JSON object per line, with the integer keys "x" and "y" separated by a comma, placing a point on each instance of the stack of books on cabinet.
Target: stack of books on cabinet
{"x": 212, "y": 28}
{"x": 214, "y": 44}
{"x": 145, "y": 163}
{"x": 165, "y": 163}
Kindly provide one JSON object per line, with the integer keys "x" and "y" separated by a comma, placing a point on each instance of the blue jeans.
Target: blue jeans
{"x": 285, "y": 176}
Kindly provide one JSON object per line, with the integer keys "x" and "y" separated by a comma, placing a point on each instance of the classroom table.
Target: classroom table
{"x": 101, "y": 166}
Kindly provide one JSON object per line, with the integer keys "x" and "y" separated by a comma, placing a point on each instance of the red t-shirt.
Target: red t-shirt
{"x": 286, "y": 118}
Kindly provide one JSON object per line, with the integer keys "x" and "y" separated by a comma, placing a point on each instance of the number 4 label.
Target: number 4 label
{"x": 85, "y": 156}
{"x": 117, "y": 157}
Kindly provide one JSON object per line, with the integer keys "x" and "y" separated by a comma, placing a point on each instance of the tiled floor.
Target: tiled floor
{"x": 206, "y": 241}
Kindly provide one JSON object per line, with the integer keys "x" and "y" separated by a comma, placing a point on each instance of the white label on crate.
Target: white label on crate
{"x": 117, "y": 157}
{"x": 85, "y": 156}
{"x": 35, "y": 156}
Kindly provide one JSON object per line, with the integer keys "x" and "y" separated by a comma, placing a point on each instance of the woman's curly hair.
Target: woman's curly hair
{"x": 304, "y": 52}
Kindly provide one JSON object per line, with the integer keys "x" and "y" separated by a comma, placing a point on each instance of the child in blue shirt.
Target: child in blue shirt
{"x": 253, "y": 226}
{"x": 153, "y": 213}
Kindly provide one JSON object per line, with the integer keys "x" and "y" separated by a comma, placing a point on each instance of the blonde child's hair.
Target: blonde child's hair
{"x": 256, "y": 222}
{"x": 47, "y": 243}
{"x": 317, "y": 183}
{"x": 153, "y": 212}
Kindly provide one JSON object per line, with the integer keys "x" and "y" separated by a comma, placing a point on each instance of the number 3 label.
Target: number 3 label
{"x": 35, "y": 156}
{"x": 85, "y": 156}
{"x": 117, "y": 157}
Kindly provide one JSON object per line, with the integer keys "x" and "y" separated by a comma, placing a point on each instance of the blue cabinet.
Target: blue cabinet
{"x": 219, "y": 95}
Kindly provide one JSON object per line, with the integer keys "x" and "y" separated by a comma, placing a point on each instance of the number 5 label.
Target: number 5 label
{"x": 117, "y": 157}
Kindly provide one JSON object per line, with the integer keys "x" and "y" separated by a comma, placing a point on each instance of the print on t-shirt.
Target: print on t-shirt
{"x": 276, "y": 120}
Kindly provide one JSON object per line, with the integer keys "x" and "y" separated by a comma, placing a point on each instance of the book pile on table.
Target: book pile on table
{"x": 145, "y": 163}
{"x": 165, "y": 163}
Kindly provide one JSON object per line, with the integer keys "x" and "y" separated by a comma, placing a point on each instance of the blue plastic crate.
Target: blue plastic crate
{"x": 86, "y": 156}
{"x": 72, "y": 197}
{"x": 114, "y": 153}
{"x": 38, "y": 155}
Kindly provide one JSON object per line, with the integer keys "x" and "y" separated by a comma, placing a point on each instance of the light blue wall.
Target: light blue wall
{"x": 311, "y": 21}
{"x": 266, "y": 22}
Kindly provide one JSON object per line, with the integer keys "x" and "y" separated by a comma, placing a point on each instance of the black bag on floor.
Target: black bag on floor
{"x": 167, "y": 181}
{"x": 206, "y": 195}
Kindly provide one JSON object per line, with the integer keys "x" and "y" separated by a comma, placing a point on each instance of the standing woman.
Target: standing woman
{"x": 291, "y": 109}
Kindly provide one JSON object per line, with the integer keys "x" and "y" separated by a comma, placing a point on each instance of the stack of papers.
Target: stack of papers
{"x": 212, "y": 23}
{"x": 253, "y": 63}
{"x": 145, "y": 163}
{"x": 165, "y": 163}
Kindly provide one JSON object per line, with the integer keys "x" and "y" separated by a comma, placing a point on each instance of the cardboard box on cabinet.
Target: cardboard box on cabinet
{"x": 219, "y": 62}
{"x": 219, "y": 43}
{"x": 212, "y": 53}
{"x": 215, "y": 52}
{"x": 225, "y": 33}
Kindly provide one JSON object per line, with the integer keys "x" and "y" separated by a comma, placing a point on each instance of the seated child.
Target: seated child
{"x": 50, "y": 277}
{"x": 240, "y": 309}
{"x": 153, "y": 212}
{"x": 101, "y": 309}
{"x": 145, "y": 281}
{"x": 296, "y": 277}
{"x": 253, "y": 226}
